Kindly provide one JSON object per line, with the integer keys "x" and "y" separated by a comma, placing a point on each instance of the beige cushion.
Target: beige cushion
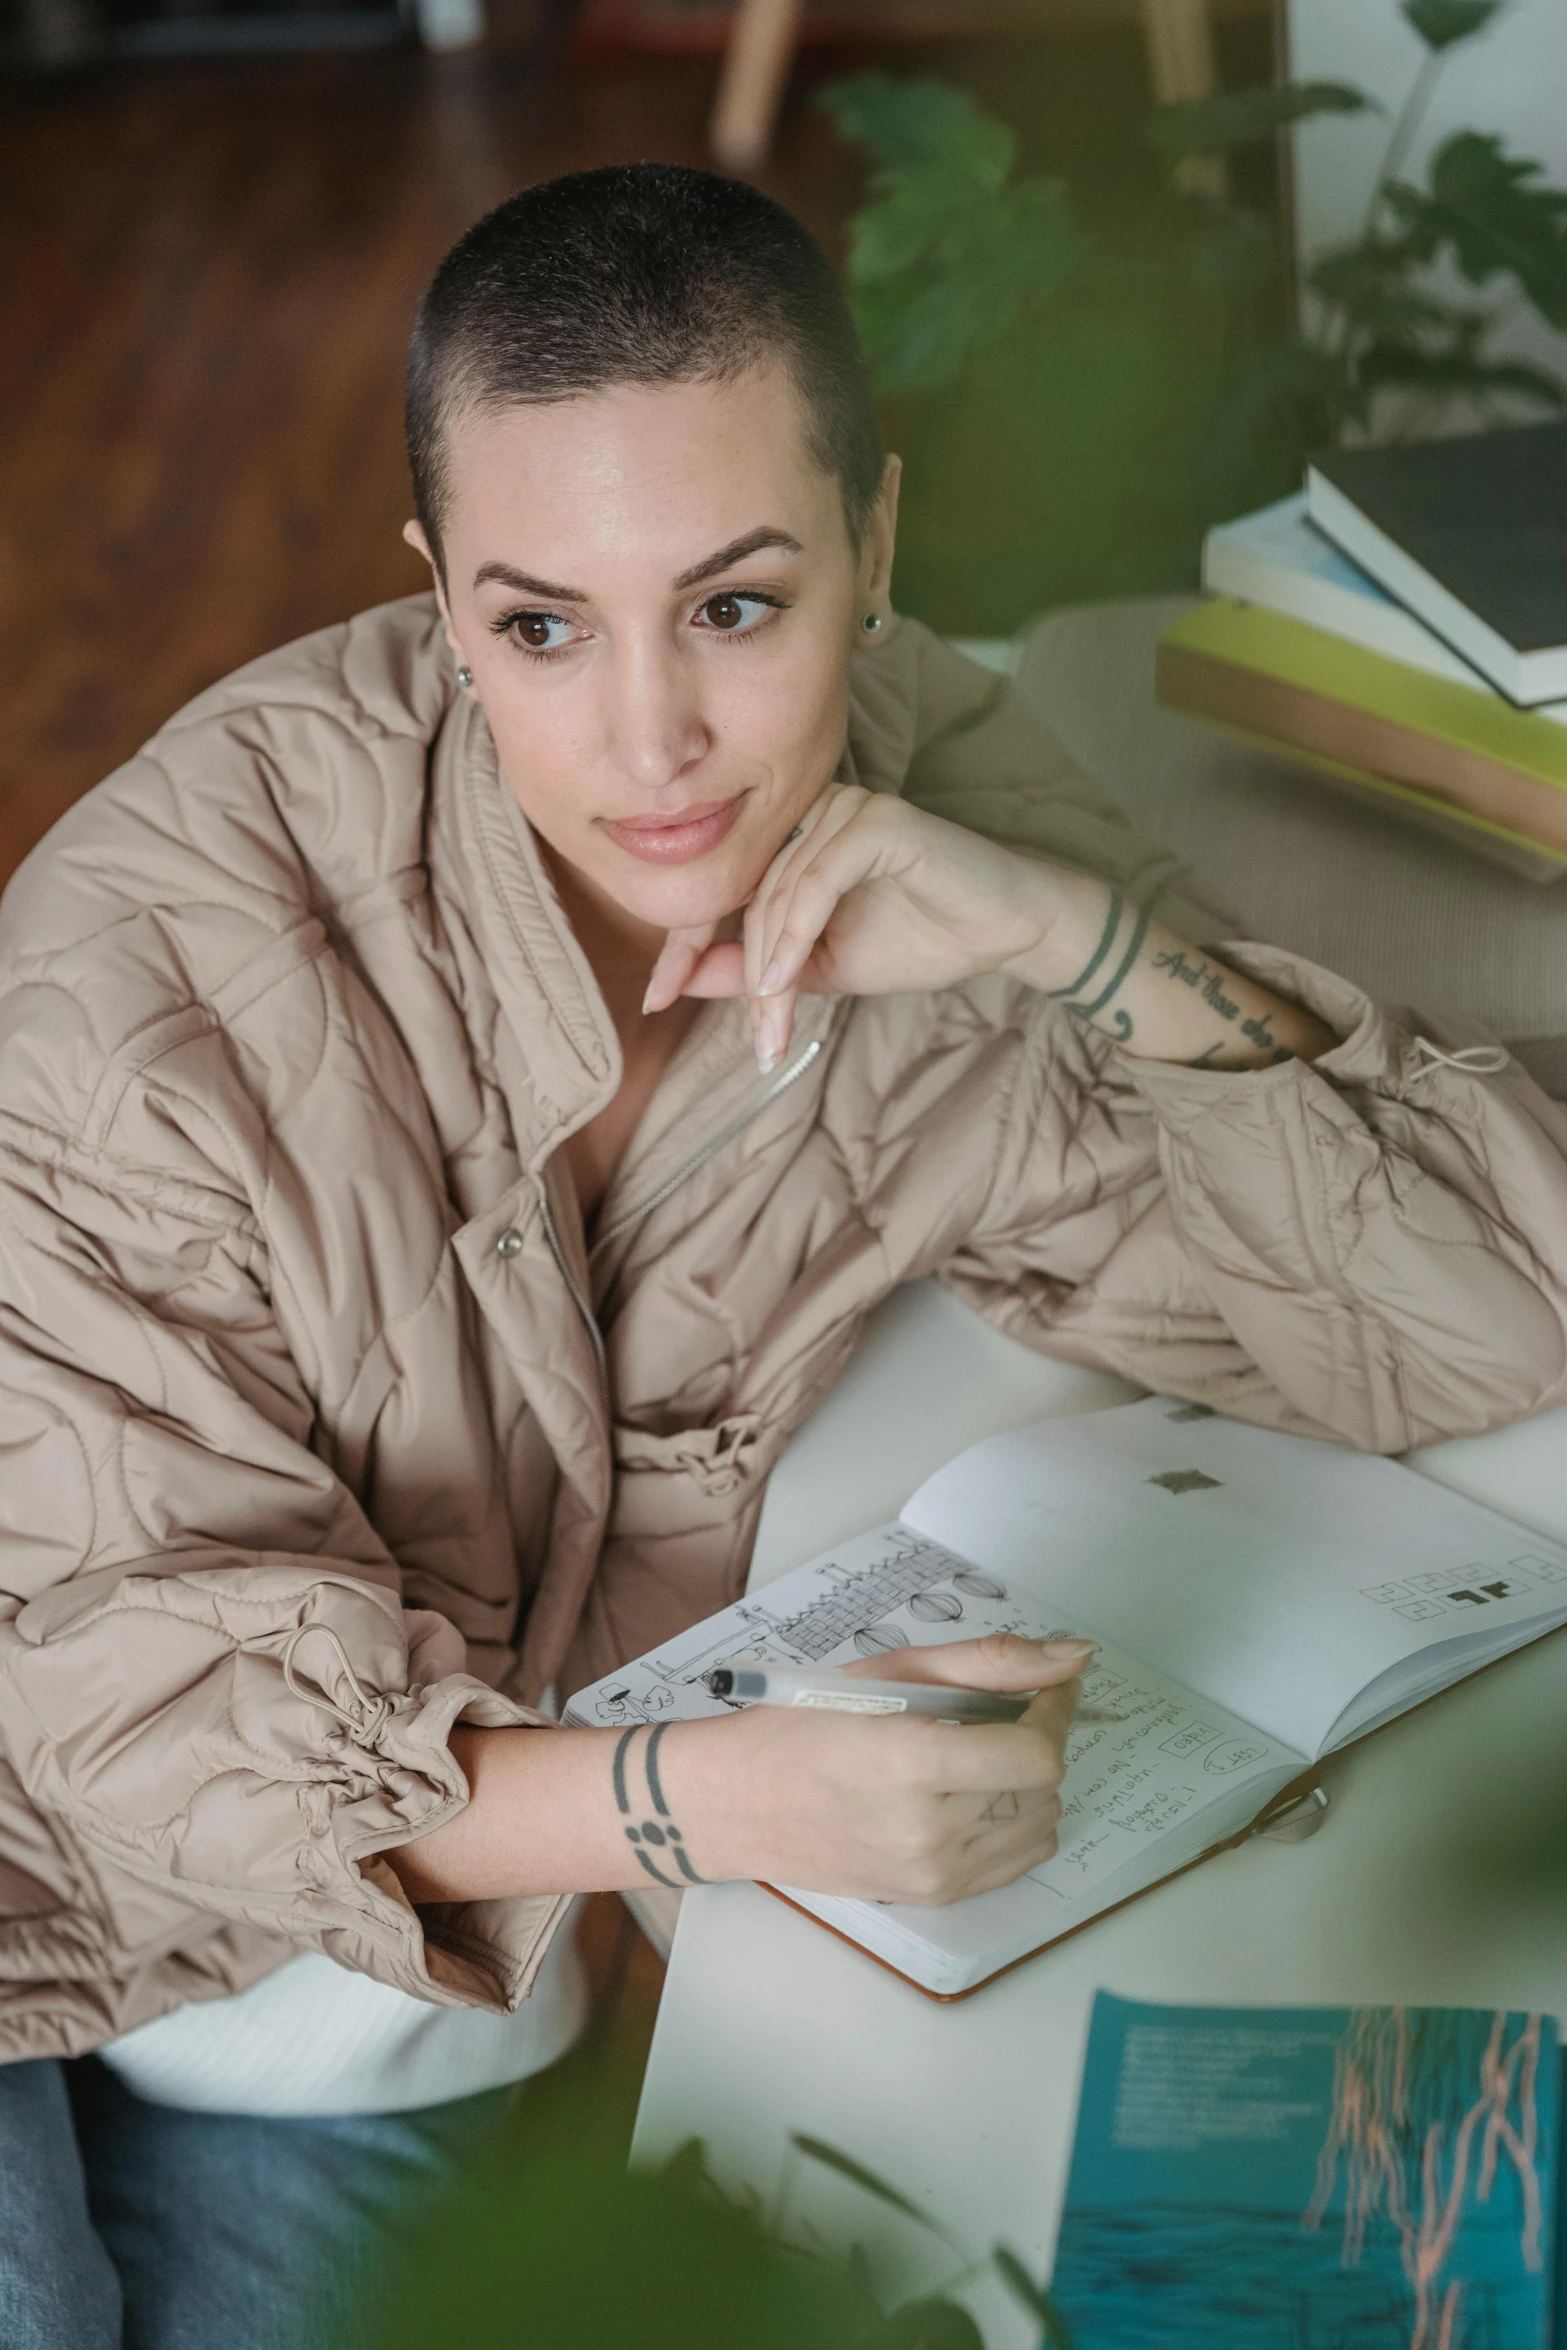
{"x": 1407, "y": 915}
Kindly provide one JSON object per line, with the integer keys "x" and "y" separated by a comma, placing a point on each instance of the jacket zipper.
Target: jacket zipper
{"x": 584, "y": 1305}
{"x": 656, "y": 1199}
{"x": 726, "y": 1134}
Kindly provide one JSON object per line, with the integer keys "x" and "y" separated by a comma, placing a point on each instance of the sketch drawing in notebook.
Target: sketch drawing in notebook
{"x": 1259, "y": 1601}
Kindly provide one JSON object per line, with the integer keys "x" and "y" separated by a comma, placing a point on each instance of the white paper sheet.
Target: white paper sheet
{"x": 1276, "y": 1576}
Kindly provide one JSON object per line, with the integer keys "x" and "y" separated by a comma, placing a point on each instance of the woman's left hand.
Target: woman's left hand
{"x": 867, "y": 896}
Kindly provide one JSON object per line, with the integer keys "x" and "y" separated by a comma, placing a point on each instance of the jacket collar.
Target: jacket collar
{"x": 555, "y": 1052}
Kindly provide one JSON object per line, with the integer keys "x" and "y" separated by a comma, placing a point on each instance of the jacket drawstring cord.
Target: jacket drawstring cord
{"x": 374, "y": 1712}
{"x": 1474, "y": 1060}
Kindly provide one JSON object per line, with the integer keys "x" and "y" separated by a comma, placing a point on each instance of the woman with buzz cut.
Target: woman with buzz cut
{"x": 462, "y": 1088}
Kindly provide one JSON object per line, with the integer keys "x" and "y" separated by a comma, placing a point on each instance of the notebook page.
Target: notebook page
{"x": 1275, "y": 1575}
{"x": 1131, "y": 1781}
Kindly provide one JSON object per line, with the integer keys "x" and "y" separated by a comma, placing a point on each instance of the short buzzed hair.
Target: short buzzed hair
{"x": 642, "y": 273}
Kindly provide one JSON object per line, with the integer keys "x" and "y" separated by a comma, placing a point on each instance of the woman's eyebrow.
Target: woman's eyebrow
{"x": 524, "y": 581}
{"x": 751, "y": 543}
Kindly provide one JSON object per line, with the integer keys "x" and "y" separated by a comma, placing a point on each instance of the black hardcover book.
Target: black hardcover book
{"x": 1471, "y": 534}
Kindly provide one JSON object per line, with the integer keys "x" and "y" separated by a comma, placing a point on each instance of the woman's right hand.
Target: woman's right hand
{"x": 883, "y": 1808}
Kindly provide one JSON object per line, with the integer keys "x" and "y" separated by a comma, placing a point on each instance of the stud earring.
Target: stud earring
{"x": 465, "y": 675}
{"x": 871, "y": 623}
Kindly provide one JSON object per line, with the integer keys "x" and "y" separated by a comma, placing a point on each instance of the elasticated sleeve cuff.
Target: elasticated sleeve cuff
{"x": 254, "y": 1740}
{"x": 1385, "y": 1228}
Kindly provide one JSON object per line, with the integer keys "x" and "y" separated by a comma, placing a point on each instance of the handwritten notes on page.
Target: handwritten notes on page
{"x": 1155, "y": 1755}
{"x": 1133, "y": 1777}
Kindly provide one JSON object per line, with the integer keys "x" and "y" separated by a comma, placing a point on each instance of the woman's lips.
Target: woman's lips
{"x": 678, "y": 838}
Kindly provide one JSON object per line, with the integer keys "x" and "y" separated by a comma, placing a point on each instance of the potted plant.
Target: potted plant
{"x": 1078, "y": 410}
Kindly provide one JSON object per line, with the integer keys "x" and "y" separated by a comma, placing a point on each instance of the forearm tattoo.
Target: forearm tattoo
{"x": 655, "y": 1835}
{"x": 1076, "y": 996}
{"x": 1092, "y": 993}
{"x": 1195, "y": 971}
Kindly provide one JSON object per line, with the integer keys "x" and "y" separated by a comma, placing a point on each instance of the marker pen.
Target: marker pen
{"x": 752, "y": 1681}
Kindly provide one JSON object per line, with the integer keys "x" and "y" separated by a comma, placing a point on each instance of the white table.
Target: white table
{"x": 1440, "y": 1878}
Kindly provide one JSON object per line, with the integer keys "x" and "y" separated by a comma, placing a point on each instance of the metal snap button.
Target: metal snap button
{"x": 509, "y": 1244}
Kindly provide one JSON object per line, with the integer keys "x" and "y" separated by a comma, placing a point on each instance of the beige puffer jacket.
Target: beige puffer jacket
{"x": 321, "y": 1426}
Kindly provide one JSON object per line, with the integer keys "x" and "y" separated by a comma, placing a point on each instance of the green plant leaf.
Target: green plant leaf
{"x": 933, "y": 2324}
{"x": 1233, "y": 253}
{"x": 1235, "y": 118}
{"x": 1361, "y": 277}
{"x": 687, "y": 2167}
{"x": 1442, "y": 22}
{"x": 908, "y": 125}
{"x": 1057, "y": 2333}
{"x": 1483, "y": 205}
{"x": 1459, "y": 371}
{"x": 935, "y": 282}
{"x": 845, "y": 2165}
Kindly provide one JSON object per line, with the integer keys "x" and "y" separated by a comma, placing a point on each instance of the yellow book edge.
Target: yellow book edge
{"x": 1438, "y": 814}
{"x": 1251, "y": 637}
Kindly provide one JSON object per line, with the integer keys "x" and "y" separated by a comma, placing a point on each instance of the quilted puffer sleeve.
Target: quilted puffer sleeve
{"x": 1372, "y": 1246}
{"x": 208, "y": 1683}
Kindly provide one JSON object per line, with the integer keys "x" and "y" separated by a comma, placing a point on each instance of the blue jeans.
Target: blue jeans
{"x": 129, "y": 2226}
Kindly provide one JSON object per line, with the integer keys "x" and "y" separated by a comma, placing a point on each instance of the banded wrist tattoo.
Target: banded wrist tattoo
{"x": 1120, "y": 1022}
{"x": 655, "y": 1833}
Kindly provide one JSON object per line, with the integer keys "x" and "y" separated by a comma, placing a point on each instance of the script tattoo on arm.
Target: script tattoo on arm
{"x": 1208, "y": 979}
{"x": 654, "y": 1837}
{"x": 1182, "y": 1002}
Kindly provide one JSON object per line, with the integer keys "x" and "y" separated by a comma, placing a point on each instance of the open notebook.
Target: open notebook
{"x": 1259, "y": 1601}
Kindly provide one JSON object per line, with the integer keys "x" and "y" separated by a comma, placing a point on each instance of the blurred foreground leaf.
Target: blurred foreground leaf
{"x": 580, "y": 2252}
{"x": 832, "y": 2158}
{"x": 1057, "y": 2333}
{"x": 930, "y": 2325}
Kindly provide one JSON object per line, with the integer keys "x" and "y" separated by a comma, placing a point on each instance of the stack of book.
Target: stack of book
{"x": 1402, "y": 627}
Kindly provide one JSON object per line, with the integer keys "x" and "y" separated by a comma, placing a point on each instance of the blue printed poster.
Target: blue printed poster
{"x": 1363, "y": 2178}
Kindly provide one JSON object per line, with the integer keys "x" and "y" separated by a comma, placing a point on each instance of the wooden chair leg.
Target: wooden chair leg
{"x": 1179, "y": 35}
{"x": 750, "y": 89}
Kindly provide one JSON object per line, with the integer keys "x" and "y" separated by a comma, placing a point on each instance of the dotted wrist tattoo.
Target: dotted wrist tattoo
{"x": 656, "y": 1830}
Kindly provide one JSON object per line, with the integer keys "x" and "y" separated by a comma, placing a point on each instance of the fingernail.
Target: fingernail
{"x": 769, "y": 1035}
{"x": 1065, "y": 1648}
{"x": 647, "y": 1000}
{"x": 772, "y": 978}
{"x": 766, "y": 1058}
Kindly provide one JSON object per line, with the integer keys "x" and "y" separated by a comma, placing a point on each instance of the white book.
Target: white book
{"x": 1279, "y": 559}
{"x": 1259, "y": 1601}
